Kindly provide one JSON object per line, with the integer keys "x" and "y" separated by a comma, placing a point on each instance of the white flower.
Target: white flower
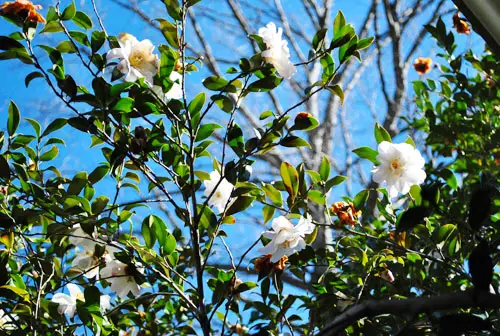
{"x": 277, "y": 52}
{"x": 118, "y": 275}
{"x": 175, "y": 91}
{"x": 286, "y": 239}
{"x": 104, "y": 302}
{"x": 78, "y": 236}
{"x": 136, "y": 59}
{"x": 7, "y": 321}
{"x": 67, "y": 303}
{"x": 87, "y": 260}
{"x": 222, "y": 194}
{"x": 401, "y": 166}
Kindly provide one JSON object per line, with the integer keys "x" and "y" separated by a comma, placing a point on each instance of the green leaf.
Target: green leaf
{"x": 125, "y": 104}
{"x": 367, "y": 153}
{"x": 54, "y": 126}
{"x": 360, "y": 199}
{"x": 197, "y": 103}
{"x": 365, "y": 43}
{"x": 69, "y": 12}
{"x": 50, "y": 154}
{"x": 415, "y": 193}
{"x": 235, "y": 139}
{"x": 20, "y": 292}
{"x": 319, "y": 39}
{"x": 99, "y": 204}
{"x": 239, "y": 205}
{"x": 444, "y": 232}
{"x": 337, "y": 91}
{"x": 216, "y": 83}
{"x": 148, "y": 230}
{"x": 303, "y": 121}
{"x": 169, "y": 245}
{"x": 170, "y": 33}
{"x": 206, "y": 131}
{"x": 4, "y": 168}
{"x": 265, "y": 84}
{"x": 168, "y": 59}
{"x": 31, "y": 76}
{"x": 335, "y": 181}
{"x": 51, "y": 27}
{"x": 339, "y": 22}
{"x": 97, "y": 40}
{"x": 324, "y": 168}
{"x": 328, "y": 64}
{"x": 410, "y": 141}
{"x": 78, "y": 182}
{"x": 273, "y": 194}
{"x": 82, "y": 20}
{"x": 381, "y": 134}
{"x": 173, "y": 9}
{"x": 290, "y": 178}
{"x": 411, "y": 218}
{"x": 266, "y": 114}
{"x": 316, "y": 196}
{"x": 36, "y": 126}
{"x": 14, "y": 118}
{"x": 294, "y": 141}
{"x": 223, "y": 102}
{"x": 66, "y": 47}
{"x": 268, "y": 213}
{"x": 450, "y": 178}
{"x": 7, "y": 43}
{"x": 207, "y": 217}
{"x": 80, "y": 37}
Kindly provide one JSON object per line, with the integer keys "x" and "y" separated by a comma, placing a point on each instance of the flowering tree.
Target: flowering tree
{"x": 73, "y": 263}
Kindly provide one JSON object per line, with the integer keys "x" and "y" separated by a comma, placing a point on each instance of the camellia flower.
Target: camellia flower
{"x": 422, "y": 65}
{"x": 78, "y": 236}
{"x": 401, "y": 166}
{"x": 7, "y": 321}
{"x": 222, "y": 194}
{"x": 277, "y": 52}
{"x": 67, "y": 303}
{"x": 136, "y": 59}
{"x": 94, "y": 249}
{"x": 121, "y": 278}
{"x": 460, "y": 24}
{"x": 286, "y": 239}
{"x": 24, "y": 9}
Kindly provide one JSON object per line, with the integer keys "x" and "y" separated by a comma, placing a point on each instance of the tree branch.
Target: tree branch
{"x": 410, "y": 307}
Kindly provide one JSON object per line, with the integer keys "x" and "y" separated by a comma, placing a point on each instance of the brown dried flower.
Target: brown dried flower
{"x": 422, "y": 65}
{"x": 460, "y": 25}
{"x": 264, "y": 266}
{"x": 24, "y": 9}
{"x": 346, "y": 212}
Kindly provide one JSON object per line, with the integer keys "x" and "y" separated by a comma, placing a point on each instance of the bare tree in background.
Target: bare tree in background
{"x": 377, "y": 87}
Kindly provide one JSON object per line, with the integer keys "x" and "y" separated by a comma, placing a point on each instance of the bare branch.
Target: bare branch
{"x": 411, "y": 307}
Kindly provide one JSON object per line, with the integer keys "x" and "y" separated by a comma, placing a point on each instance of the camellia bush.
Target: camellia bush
{"x": 75, "y": 259}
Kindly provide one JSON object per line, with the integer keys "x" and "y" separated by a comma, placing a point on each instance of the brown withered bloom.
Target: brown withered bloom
{"x": 399, "y": 238}
{"x": 4, "y": 190}
{"x": 346, "y": 212}
{"x": 422, "y": 65}
{"x": 460, "y": 25}
{"x": 24, "y": 9}
{"x": 264, "y": 266}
